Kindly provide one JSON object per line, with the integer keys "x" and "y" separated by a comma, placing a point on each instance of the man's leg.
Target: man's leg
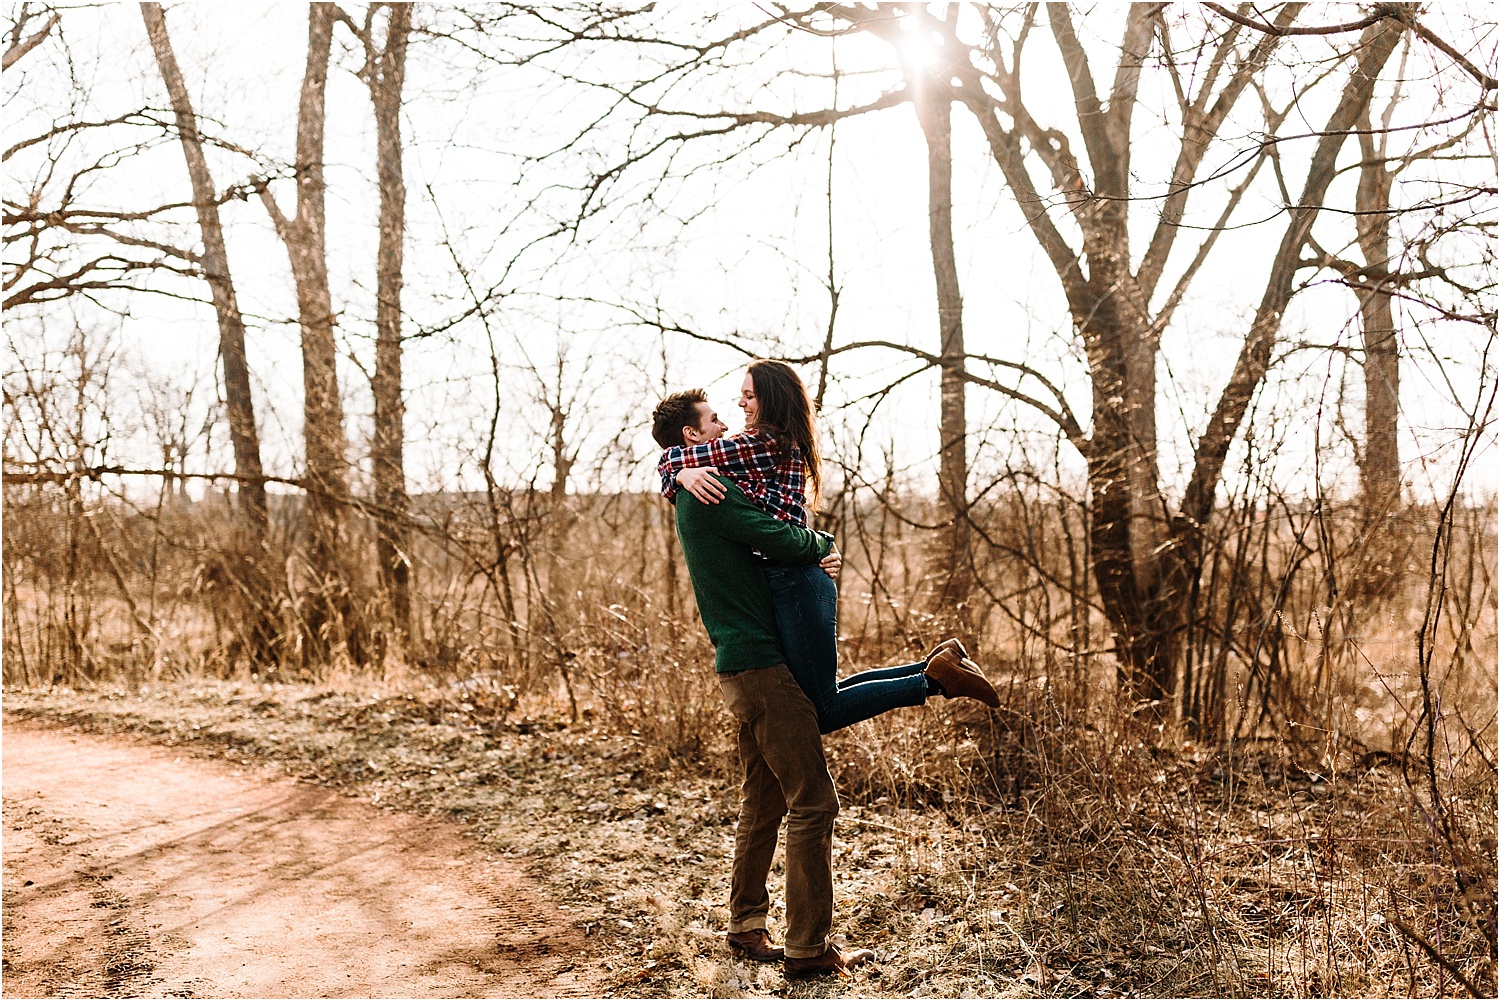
{"x": 761, "y": 810}
{"x": 786, "y": 734}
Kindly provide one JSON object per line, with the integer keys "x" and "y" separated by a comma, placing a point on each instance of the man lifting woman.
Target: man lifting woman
{"x": 765, "y": 590}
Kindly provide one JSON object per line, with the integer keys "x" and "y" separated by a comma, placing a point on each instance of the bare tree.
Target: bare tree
{"x": 1145, "y": 558}
{"x": 384, "y": 73}
{"x": 214, "y": 262}
{"x": 934, "y": 107}
{"x": 323, "y": 411}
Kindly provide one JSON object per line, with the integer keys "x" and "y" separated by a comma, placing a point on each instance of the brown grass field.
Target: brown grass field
{"x": 1329, "y": 830}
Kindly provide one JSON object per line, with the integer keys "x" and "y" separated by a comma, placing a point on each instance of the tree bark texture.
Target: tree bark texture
{"x": 386, "y": 72}
{"x": 1380, "y": 461}
{"x": 243, "y": 434}
{"x": 934, "y": 107}
{"x": 332, "y": 606}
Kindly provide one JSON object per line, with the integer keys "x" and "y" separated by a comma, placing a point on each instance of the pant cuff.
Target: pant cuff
{"x": 749, "y": 924}
{"x": 806, "y": 952}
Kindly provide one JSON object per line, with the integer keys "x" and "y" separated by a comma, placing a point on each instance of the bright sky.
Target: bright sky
{"x": 737, "y": 250}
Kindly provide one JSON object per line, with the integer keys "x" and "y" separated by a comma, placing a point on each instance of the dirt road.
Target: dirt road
{"x": 130, "y": 869}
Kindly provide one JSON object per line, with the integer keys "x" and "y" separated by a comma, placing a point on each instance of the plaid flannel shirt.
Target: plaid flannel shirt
{"x": 749, "y": 459}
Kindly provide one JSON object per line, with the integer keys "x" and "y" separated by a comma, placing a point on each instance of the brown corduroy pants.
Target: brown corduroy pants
{"x": 785, "y": 775}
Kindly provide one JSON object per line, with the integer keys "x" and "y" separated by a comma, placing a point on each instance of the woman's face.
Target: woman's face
{"x": 748, "y": 403}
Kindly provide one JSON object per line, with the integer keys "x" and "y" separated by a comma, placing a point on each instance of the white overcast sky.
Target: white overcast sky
{"x": 735, "y": 250}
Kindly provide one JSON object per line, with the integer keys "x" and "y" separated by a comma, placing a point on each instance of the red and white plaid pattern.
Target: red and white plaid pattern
{"x": 749, "y": 459}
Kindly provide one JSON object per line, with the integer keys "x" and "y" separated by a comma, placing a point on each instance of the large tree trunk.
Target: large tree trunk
{"x": 331, "y": 611}
{"x": 1146, "y": 564}
{"x": 385, "y": 82}
{"x": 935, "y": 113}
{"x": 1129, "y": 526}
{"x": 249, "y": 561}
{"x": 1138, "y": 582}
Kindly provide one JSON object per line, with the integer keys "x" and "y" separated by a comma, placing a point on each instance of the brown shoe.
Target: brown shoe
{"x": 755, "y": 944}
{"x": 961, "y": 678}
{"x": 832, "y": 960}
{"x": 951, "y": 643}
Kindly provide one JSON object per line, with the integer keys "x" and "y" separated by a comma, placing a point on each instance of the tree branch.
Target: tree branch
{"x": 1375, "y": 48}
{"x": 19, "y": 49}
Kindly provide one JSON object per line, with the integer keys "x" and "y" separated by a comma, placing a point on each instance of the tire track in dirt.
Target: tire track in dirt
{"x": 130, "y": 870}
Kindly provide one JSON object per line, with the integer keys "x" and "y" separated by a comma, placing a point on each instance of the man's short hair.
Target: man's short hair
{"x": 674, "y": 413}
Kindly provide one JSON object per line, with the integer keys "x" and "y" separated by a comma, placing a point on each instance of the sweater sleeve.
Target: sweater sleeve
{"x": 740, "y": 456}
{"x": 738, "y": 519}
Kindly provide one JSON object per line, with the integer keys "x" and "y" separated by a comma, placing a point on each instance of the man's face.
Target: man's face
{"x": 709, "y": 427}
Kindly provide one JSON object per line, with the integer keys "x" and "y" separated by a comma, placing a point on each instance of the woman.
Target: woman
{"x": 771, "y": 461}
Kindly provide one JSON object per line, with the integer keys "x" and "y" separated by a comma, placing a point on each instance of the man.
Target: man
{"x": 781, "y": 750}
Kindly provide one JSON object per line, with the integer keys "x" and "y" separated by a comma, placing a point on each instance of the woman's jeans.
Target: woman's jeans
{"x": 807, "y": 619}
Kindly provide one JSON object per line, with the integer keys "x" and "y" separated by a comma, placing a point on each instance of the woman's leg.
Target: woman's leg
{"x": 807, "y": 619}
{"x": 902, "y": 670}
{"x": 884, "y": 673}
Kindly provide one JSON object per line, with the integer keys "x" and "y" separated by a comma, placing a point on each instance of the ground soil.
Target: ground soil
{"x": 131, "y": 869}
{"x": 307, "y": 840}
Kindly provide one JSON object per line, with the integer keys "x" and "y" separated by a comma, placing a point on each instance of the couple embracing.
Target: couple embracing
{"x": 765, "y": 589}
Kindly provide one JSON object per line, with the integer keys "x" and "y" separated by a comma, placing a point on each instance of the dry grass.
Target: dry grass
{"x": 1061, "y": 846}
{"x": 1120, "y": 867}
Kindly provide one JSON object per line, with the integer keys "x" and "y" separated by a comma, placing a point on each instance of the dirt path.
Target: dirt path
{"x": 130, "y": 869}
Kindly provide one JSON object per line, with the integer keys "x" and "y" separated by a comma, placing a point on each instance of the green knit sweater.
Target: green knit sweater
{"x": 733, "y": 597}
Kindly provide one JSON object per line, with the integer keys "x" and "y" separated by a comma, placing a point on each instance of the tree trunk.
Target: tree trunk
{"x": 243, "y": 434}
{"x": 1377, "y": 42}
{"x": 248, "y": 564}
{"x": 385, "y": 82}
{"x": 1380, "y": 460}
{"x": 332, "y": 609}
{"x": 1129, "y": 527}
{"x": 933, "y": 105}
{"x": 1380, "y": 464}
{"x": 1144, "y": 564}
{"x": 1137, "y": 580}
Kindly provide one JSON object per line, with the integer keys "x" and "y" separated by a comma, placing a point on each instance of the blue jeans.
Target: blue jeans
{"x": 807, "y": 619}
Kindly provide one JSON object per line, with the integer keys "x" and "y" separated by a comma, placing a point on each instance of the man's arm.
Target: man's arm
{"x": 738, "y": 519}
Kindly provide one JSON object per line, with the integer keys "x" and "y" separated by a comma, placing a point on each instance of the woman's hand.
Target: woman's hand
{"x": 699, "y": 481}
{"x": 832, "y": 564}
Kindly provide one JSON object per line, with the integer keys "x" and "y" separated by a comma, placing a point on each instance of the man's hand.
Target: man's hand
{"x": 832, "y": 564}
{"x": 699, "y": 481}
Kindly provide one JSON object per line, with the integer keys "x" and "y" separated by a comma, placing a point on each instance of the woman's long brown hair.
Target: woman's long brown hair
{"x": 786, "y": 414}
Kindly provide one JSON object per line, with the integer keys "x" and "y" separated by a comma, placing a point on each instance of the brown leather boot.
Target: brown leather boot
{"x": 951, "y": 643}
{"x": 832, "y": 960}
{"x": 960, "y": 678}
{"x": 755, "y": 944}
